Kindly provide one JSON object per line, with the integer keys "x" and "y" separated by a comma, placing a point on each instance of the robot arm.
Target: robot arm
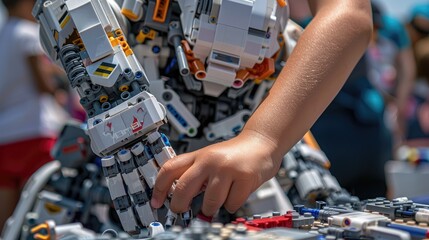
{"x": 85, "y": 37}
{"x": 88, "y": 38}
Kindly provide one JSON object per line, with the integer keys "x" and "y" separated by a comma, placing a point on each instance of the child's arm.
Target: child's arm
{"x": 39, "y": 66}
{"x": 322, "y": 60}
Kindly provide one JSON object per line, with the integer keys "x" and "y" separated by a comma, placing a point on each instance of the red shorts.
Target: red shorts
{"x": 19, "y": 160}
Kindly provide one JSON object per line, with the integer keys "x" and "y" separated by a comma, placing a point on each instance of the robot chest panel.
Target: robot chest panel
{"x": 196, "y": 115}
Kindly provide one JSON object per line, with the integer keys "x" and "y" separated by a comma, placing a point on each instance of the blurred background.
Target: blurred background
{"x": 399, "y": 8}
{"x": 396, "y": 7}
{"x": 2, "y": 14}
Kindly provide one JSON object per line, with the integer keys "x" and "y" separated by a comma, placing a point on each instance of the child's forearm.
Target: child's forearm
{"x": 323, "y": 58}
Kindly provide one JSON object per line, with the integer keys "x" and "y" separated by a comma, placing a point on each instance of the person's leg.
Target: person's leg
{"x": 16, "y": 166}
{"x": 9, "y": 189}
{"x": 9, "y": 197}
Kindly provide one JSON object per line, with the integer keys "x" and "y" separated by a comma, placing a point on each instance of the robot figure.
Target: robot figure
{"x": 208, "y": 70}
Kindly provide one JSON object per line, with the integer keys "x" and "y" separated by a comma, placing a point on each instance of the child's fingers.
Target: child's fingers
{"x": 169, "y": 172}
{"x": 216, "y": 194}
{"x": 187, "y": 187}
{"x": 237, "y": 196}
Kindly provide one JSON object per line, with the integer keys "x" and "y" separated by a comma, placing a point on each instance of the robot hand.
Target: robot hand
{"x": 86, "y": 38}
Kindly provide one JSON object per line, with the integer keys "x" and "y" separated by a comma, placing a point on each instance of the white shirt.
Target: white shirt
{"x": 24, "y": 112}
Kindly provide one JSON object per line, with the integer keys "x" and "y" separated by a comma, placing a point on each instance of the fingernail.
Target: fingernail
{"x": 154, "y": 203}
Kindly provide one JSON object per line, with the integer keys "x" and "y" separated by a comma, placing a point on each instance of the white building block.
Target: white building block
{"x": 90, "y": 28}
{"x": 149, "y": 172}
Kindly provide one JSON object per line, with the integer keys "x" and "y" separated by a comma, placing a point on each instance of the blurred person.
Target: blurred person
{"x": 418, "y": 122}
{"x": 418, "y": 23}
{"x": 391, "y": 69}
{"x": 301, "y": 13}
{"x": 418, "y": 30}
{"x": 75, "y": 109}
{"x": 67, "y": 97}
{"x": 353, "y": 135}
{"x": 29, "y": 117}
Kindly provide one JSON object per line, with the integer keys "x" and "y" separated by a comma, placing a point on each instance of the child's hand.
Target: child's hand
{"x": 228, "y": 171}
